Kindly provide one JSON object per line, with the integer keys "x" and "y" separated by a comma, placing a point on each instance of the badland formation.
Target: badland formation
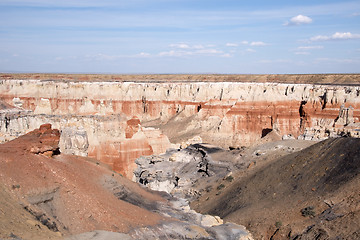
{"x": 179, "y": 156}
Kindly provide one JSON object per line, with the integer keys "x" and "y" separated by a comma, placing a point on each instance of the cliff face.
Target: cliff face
{"x": 113, "y": 121}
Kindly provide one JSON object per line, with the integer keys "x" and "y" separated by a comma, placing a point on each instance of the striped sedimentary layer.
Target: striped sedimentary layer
{"x": 114, "y": 121}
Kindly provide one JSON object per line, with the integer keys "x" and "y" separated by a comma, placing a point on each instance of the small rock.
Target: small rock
{"x": 209, "y": 221}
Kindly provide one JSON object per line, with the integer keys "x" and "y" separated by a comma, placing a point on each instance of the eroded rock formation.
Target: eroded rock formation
{"x": 124, "y": 120}
{"x": 62, "y": 195}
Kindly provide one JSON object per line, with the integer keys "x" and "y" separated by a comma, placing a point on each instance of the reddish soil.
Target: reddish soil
{"x": 64, "y": 193}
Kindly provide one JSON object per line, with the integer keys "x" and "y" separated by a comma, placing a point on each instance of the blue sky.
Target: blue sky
{"x": 180, "y": 36}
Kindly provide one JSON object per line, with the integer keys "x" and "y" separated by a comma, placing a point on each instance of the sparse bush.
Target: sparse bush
{"x": 308, "y": 211}
{"x": 229, "y": 178}
{"x": 278, "y": 224}
{"x": 221, "y": 186}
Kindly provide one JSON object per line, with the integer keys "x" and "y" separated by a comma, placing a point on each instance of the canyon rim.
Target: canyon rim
{"x": 117, "y": 119}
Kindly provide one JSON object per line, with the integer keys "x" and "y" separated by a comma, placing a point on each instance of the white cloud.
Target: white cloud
{"x": 258, "y": 43}
{"x": 319, "y": 38}
{"x": 173, "y": 53}
{"x": 105, "y": 57}
{"x": 337, "y": 60}
{"x": 192, "y": 51}
{"x": 143, "y": 54}
{"x": 345, "y": 35}
{"x": 250, "y": 50}
{"x": 275, "y": 61}
{"x": 199, "y": 46}
{"x": 336, "y": 36}
{"x": 208, "y": 51}
{"x": 184, "y": 49}
{"x": 101, "y": 57}
{"x": 227, "y": 55}
{"x": 298, "y": 20}
{"x": 302, "y": 53}
{"x": 245, "y": 42}
{"x": 310, "y": 47}
{"x": 180, "y": 45}
{"x": 232, "y": 44}
{"x": 187, "y": 46}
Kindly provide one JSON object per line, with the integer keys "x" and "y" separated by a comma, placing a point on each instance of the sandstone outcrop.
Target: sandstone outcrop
{"x": 74, "y": 141}
{"x": 225, "y": 113}
{"x": 44, "y": 141}
{"x": 178, "y": 172}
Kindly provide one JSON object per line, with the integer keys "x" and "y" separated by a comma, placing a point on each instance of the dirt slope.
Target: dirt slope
{"x": 310, "y": 194}
{"x": 15, "y": 221}
{"x": 64, "y": 193}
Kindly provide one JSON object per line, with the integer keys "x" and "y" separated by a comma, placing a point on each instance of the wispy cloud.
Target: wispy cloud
{"x": 306, "y": 50}
{"x": 183, "y": 49}
{"x": 187, "y": 46}
{"x": 336, "y": 36}
{"x": 143, "y": 55}
{"x": 173, "y": 53}
{"x": 105, "y": 57}
{"x": 226, "y": 55}
{"x": 337, "y": 60}
{"x": 232, "y": 45}
{"x": 298, "y": 20}
{"x": 180, "y": 45}
{"x": 208, "y": 51}
{"x": 250, "y": 50}
{"x": 275, "y": 61}
{"x": 310, "y": 47}
{"x": 302, "y": 53}
{"x": 259, "y": 43}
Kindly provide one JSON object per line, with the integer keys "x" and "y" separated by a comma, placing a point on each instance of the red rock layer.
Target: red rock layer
{"x": 40, "y": 141}
{"x": 252, "y": 120}
{"x": 228, "y": 114}
{"x": 139, "y": 142}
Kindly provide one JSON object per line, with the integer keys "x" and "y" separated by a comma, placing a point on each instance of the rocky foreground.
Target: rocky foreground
{"x": 287, "y": 189}
{"x": 49, "y": 195}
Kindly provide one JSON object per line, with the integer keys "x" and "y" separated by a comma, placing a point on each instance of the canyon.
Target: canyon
{"x": 179, "y": 156}
{"x": 117, "y": 119}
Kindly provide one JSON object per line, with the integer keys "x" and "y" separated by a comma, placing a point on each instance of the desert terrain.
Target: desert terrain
{"x": 179, "y": 156}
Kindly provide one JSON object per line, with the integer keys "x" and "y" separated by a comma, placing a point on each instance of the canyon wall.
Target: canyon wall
{"x": 116, "y": 122}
